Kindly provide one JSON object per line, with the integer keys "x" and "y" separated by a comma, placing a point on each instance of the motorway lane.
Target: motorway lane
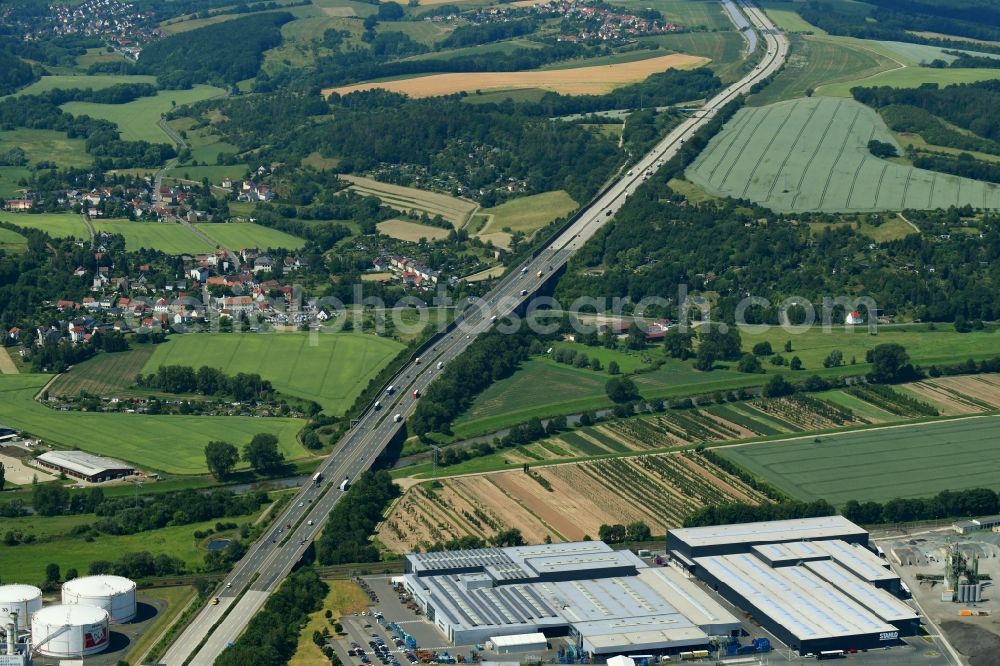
{"x": 267, "y": 563}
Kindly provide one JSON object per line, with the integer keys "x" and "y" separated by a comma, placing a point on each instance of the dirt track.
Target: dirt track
{"x": 579, "y": 81}
{"x": 7, "y": 366}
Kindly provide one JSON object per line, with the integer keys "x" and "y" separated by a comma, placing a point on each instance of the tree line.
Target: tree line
{"x": 491, "y": 357}
{"x": 729, "y": 514}
{"x": 207, "y": 381}
{"x": 272, "y": 635}
{"x": 946, "y": 504}
{"x": 347, "y": 535}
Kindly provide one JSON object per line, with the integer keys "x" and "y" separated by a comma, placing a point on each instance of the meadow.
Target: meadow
{"x": 167, "y": 237}
{"x": 11, "y": 241}
{"x": 332, "y": 372}
{"x": 344, "y": 598}
{"x": 214, "y": 173}
{"x": 46, "y": 146}
{"x": 171, "y": 444}
{"x": 26, "y": 562}
{"x": 528, "y": 214}
{"x": 724, "y": 49}
{"x": 881, "y": 464}
{"x": 138, "y": 119}
{"x": 57, "y": 225}
{"x": 10, "y": 179}
{"x": 542, "y": 387}
{"x": 406, "y": 230}
{"x": 811, "y": 155}
{"x": 685, "y": 12}
{"x": 104, "y": 374}
{"x": 814, "y": 61}
{"x": 593, "y": 80}
{"x": 910, "y": 77}
{"x": 83, "y": 81}
{"x": 238, "y": 235}
{"x": 784, "y": 16}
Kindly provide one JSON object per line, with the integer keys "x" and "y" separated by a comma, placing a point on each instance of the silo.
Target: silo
{"x": 112, "y": 593}
{"x": 69, "y": 631}
{"x": 22, "y": 600}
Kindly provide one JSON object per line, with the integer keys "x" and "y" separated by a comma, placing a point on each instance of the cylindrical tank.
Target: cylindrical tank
{"x": 21, "y": 599}
{"x": 69, "y": 631}
{"x": 112, "y": 593}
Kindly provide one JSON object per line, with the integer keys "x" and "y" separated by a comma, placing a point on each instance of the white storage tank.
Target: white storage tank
{"x": 21, "y": 599}
{"x": 69, "y": 631}
{"x": 112, "y": 593}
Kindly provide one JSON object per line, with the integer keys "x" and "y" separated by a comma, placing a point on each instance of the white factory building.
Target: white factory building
{"x": 812, "y": 582}
{"x": 608, "y": 602}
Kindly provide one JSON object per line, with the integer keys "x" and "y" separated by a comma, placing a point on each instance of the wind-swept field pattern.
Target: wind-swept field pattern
{"x": 811, "y": 154}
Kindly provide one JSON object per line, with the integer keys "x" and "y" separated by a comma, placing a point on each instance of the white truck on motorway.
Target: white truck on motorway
{"x": 440, "y": 364}
{"x": 317, "y": 477}
{"x": 397, "y": 418}
{"x": 390, "y": 390}
{"x": 344, "y": 484}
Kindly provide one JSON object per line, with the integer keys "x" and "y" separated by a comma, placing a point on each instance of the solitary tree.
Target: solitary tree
{"x": 221, "y": 458}
{"x": 637, "y": 531}
{"x": 262, "y": 452}
{"x": 3, "y": 478}
{"x": 890, "y": 363}
{"x": 52, "y": 573}
{"x": 749, "y": 363}
{"x": 679, "y": 344}
{"x": 621, "y": 389}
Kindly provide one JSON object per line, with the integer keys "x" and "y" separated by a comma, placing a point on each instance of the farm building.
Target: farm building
{"x": 85, "y": 466}
{"x": 813, "y": 582}
{"x": 988, "y": 523}
{"x": 610, "y": 602}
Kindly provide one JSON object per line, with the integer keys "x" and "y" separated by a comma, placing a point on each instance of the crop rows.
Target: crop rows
{"x": 715, "y": 471}
{"x": 640, "y": 488}
{"x": 892, "y": 401}
{"x": 805, "y": 412}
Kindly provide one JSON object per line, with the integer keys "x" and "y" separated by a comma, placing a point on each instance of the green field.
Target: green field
{"x": 784, "y": 16}
{"x": 215, "y": 174}
{"x": 926, "y": 347}
{"x": 814, "y": 61}
{"x": 811, "y": 155}
{"x": 688, "y": 13}
{"x": 168, "y": 237}
{"x": 10, "y": 178}
{"x": 11, "y": 241}
{"x": 528, "y": 214}
{"x": 881, "y": 464}
{"x": 238, "y": 235}
{"x": 332, "y": 373}
{"x": 138, "y": 119}
{"x": 57, "y": 225}
{"x": 542, "y": 387}
{"x": 104, "y": 374}
{"x": 922, "y": 53}
{"x": 47, "y": 146}
{"x": 910, "y": 77}
{"x": 172, "y": 444}
{"x": 724, "y": 48}
{"x": 26, "y": 562}
{"x": 83, "y": 81}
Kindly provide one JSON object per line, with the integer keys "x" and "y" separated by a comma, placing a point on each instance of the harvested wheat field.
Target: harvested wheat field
{"x": 410, "y": 199}
{"x": 410, "y": 231}
{"x": 578, "y": 81}
{"x": 563, "y": 502}
{"x": 984, "y": 388}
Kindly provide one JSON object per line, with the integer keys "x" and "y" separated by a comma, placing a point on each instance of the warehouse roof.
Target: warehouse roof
{"x": 794, "y": 597}
{"x": 861, "y": 561}
{"x": 800, "y": 529}
{"x": 514, "y": 640}
{"x": 878, "y": 601}
{"x": 82, "y": 462}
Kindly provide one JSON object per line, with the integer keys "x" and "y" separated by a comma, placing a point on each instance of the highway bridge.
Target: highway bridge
{"x": 272, "y": 557}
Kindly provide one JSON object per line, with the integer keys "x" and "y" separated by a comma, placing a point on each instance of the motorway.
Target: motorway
{"x": 269, "y": 560}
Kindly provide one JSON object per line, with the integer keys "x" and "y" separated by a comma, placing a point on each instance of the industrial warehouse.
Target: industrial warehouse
{"x": 813, "y": 582}
{"x": 82, "y": 465}
{"x": 607, "y": 602}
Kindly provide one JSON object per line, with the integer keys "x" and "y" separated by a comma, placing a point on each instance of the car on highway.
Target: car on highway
{"x": 309, "y": 523}
{"x": 215, "y": 601}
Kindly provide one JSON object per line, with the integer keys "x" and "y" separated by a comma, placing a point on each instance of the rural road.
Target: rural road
{"x": 271, "y": 558}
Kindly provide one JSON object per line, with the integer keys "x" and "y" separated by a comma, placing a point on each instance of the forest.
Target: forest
{"x": 899, "y": 19}
{"x": 346, "y": 537}
{"x": 227, "y": 52}
{"x": 734, "y": 249}
{"x": 970, "y": 106}
{"x": 14, "y": 72}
